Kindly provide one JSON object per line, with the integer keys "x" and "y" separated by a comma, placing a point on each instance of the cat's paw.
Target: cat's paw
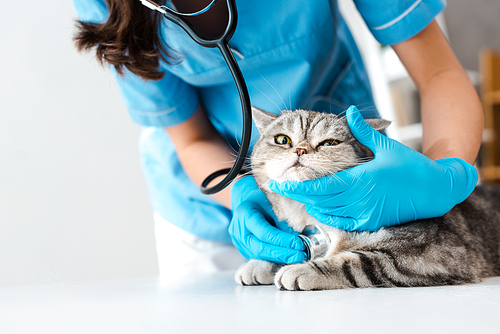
{"x": 298, "y": 277}
{"x": 256, "y": 272}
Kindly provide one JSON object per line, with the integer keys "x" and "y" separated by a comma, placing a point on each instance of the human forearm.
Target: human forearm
{"x": 202, "y": 151}
{"x": 451, "y": 112}
{"x": 202, "y": 158}
{"x": 452, "y": 118}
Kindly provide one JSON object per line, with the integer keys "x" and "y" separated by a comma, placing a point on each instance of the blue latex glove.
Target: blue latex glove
{"x": 251, "y": 232}
{"x": 398, "y": 186}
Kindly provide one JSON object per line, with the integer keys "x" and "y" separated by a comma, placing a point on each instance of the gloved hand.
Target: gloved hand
{"x": 399, "y": 185}
{"x": 251, "y": 231}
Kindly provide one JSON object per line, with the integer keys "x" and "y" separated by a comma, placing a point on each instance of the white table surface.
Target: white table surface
{"x": 215, "y": 304}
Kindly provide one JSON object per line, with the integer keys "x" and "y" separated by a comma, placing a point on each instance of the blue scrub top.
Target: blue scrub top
{"x": 294, "y": 54}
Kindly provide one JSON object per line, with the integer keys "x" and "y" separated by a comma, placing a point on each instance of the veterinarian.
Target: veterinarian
{"x": 293, "y": 54}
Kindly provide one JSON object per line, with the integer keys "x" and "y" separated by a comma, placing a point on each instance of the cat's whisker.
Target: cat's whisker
{"x": 362, "y": 105}
{"x": 238, "y": 142}
{"x": 267, "y": 97}
{"x": 369, "y": 107}
{"x": 232, "y": 152}
{"x": 273, "y": 89}
{"x": 226, "y": 162}
{"x": 351, "y": 174}
{"x": 247, "y": 173}
{"x": 342, "y": 114}
{"x": 336, "y": 177}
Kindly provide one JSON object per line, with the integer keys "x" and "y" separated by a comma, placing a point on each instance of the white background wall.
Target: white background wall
{"x": 73, "y": 202}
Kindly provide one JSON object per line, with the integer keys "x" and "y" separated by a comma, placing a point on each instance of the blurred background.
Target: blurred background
{"x": 73, "y": 202}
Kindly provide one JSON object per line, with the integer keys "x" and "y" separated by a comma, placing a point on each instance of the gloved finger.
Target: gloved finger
{"x": 363, "y": 132}
{"x": 331, "y": 197}
{"x": 243, "y": 189}
{"x": 343, "y": 223}
{"x": 271, "y": 253}
{"x": 341, "y": 211}
{"x": 346, "y": 200}
{"x": 459, "y": 169}
{"x": 269, "y": 234}
{"x": 242, "y": 249}
{"x": 326, "y": 185}
{"x": 283, "y": 226}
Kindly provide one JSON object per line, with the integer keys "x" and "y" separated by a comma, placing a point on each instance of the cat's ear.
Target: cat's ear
{"x": 378, "y": 124}
{"x": 262, "y": 118}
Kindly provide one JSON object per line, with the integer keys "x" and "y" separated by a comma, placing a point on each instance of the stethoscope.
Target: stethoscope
{"x": 220, "y": 42}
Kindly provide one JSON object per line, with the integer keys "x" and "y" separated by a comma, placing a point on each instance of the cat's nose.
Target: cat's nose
{"x": 300, "y": 151}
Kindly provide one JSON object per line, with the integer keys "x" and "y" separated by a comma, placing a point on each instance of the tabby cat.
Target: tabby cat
{"x": 460, "y": 247}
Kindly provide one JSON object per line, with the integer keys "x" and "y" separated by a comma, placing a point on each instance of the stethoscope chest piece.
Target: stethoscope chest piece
{"x": 316, "y": 241}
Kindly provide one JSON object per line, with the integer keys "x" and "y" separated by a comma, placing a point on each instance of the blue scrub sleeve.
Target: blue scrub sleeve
{"x": 161, "y": 103}
{"x": 394, "y": 21}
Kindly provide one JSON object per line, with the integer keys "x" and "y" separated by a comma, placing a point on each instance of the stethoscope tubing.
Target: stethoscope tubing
{"x": 222, "y": 44}
{"x": 162, "y": 9}
{"x": 247, "y": 123}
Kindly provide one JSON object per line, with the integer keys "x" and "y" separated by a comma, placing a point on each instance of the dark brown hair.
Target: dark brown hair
{"x": 130, "y": 38}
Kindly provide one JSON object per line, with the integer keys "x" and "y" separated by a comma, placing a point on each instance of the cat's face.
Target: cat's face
{"x": 302, "y": 145}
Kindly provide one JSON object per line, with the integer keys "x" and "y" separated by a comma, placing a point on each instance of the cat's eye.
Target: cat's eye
{"x": 282, "y": 140}
{"x": 329, "y": 142}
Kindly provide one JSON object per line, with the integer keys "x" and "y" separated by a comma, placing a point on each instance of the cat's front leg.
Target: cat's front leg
{"x": 256, "y": 272}
{"x": 332, "y": 272}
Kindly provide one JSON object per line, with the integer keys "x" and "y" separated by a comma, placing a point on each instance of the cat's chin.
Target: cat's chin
{"x": 298, "y": 174}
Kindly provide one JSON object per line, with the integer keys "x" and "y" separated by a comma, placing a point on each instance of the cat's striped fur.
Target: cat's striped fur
{"x": 461, "y": 247}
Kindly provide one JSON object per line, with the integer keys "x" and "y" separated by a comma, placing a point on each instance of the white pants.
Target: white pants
{"x": 181, "y": 253}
